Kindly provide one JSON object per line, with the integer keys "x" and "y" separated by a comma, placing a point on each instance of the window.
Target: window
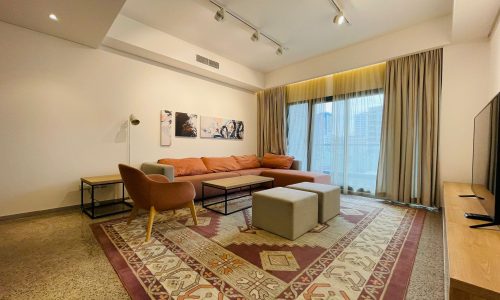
{"x": 344, "y": 138}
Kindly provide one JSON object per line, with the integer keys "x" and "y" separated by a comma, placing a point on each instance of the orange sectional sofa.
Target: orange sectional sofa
{"x": 284, "y": 170}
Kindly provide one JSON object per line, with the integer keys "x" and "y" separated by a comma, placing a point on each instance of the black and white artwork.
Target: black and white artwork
{"x": 220, "y": 128}
{"x": 166, "y": 128}
{"x": 186, "y": 124}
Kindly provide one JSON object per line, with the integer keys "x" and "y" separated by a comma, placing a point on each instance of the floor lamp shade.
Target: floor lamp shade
{"x": 133, "y": 120}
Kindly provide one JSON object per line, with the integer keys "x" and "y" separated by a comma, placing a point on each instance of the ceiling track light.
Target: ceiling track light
{"x": 255, "y": 36}
{"x": 53, "y": 17}
{"x": 340, "y": 18}
{"x": 279, "y": 51}
{"x": 220, "y": 15}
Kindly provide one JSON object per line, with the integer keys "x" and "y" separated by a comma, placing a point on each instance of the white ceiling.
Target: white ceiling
{"x": 303, "y": 26}
{"x": 82, "y": 21}
{"x": 473, "y": 19}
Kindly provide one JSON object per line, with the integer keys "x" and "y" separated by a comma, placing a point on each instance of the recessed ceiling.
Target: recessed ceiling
{"x": 304, "y": 27}
{"x": 82, "y": 21}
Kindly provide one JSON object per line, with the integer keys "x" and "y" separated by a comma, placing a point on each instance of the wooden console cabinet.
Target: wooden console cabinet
{"x": 472, "y": 255}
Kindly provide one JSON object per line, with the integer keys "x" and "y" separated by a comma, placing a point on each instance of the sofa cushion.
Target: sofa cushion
{"x": 277, "y": 161}
{"x": 209, "y": 191}
{"x": 221, "y": 164}
{"x": 248, "y": 161}
{"x": 256, "y": 171}
{"x": 287, "y": 177}
{"x": 185, "y": 166}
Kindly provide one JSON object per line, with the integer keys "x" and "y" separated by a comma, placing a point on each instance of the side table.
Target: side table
{"x": 107, "y": 207}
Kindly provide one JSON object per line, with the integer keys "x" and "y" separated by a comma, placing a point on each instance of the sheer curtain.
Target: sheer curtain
{"x": 298, "y": 136}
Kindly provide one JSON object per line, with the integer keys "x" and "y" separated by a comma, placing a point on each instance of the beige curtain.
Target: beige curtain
{"x": 408, "y": 166}
{"x": 271, "y": 121}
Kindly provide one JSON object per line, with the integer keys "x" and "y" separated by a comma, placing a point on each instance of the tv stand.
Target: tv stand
{"x": 478, "y": 217}
{"x": 485, "y": 225}
{"x": 470, "y": 196}
{"x": 481, "y": 218}
{"x": 471, "y": 255}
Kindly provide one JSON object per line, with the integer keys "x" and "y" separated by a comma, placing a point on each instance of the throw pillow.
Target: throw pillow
{"x": 185, "y": 166}
{"x": 277, "y": 161}
{"x": 248, "y": 161}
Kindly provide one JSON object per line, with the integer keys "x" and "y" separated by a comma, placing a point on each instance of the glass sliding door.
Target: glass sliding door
{"x": 342, "y": 138}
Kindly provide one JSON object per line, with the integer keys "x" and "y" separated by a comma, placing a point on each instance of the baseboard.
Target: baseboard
{"x": 48, "y": 211}
{"x": 39, "y": 212}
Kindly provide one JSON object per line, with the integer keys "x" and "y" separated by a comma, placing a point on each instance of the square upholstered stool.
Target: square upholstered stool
{"x": 328, "y": 198}
{"x": 286, "y": 212}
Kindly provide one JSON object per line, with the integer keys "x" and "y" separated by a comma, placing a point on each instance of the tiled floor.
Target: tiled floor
{"x": 55, "y": 256}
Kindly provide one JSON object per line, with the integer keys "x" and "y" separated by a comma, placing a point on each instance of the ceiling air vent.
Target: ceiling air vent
{"x": 206, "y": 61}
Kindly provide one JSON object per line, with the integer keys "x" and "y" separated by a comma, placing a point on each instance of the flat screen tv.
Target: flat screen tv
{"x": 486, "y": 163}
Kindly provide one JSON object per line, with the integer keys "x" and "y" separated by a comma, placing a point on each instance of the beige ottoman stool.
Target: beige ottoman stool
{"x": 285, "y": 212}
{"x": 328, "y": 198}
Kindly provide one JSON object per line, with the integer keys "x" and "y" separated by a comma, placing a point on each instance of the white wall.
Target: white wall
{"x": 495, "y": 60}
{"x": 471, "y": 78}
{"x": 465, "y": 93}
{"x": 63, "y": 108}
{"x": 421, "y": 37}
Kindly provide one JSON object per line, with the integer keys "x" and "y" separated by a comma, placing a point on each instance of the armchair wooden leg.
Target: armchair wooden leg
{"x": 193, "y": 212}
{"x": 152, "y": 213}
{"x": 175, "y": 211}
{"x": 133, "y": 214}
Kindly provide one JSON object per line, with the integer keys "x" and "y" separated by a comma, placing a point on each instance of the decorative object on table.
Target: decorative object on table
{"x": 103, "y": 208}
{"x": 132, "y": 120}
{"x": 186, "y": 124}
{"x": 155, "y": 193}
{"x": 166, "y": 128}
{"x": 220, "y": 128}
{"x": 226, "y": 256}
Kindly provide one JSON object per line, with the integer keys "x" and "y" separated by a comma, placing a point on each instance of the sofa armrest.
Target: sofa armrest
{"x": 154, "y": 168}
{"x": 296, "y": 165}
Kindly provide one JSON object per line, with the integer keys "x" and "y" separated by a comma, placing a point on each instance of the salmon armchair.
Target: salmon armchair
{"x": 155, "y": 193}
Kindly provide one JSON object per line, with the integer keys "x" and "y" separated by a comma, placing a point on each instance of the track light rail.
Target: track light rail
{"x": 248, "y": 24}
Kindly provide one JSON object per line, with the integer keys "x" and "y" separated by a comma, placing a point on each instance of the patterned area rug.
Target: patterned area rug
{"x": 367, "y": 252}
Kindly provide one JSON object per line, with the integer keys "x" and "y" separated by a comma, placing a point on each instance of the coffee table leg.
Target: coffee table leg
{"x": 81, "y": 195}
{"x": 225, "y": 201}
{"x": 93, "y": 203}
{"x": 202, "y": 195}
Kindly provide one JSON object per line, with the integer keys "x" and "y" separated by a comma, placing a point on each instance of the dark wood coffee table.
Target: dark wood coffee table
{"x": 231, "y": 183}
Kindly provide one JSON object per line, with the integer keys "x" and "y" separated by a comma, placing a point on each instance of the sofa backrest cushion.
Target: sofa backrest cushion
{"x": 247, "y": 161}
{"x": 277, "y": 161}
{"x": 221, "y": 164}
{"x": 185, "y": 166}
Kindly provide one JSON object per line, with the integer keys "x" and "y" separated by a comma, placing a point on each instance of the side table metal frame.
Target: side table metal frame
{"x": 91, "y": 212}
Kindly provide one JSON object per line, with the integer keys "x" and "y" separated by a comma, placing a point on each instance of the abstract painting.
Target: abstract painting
{"x": 220, "y": 128}
{"x": 186, "y": 124}
{"x": 166, "y": 128}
